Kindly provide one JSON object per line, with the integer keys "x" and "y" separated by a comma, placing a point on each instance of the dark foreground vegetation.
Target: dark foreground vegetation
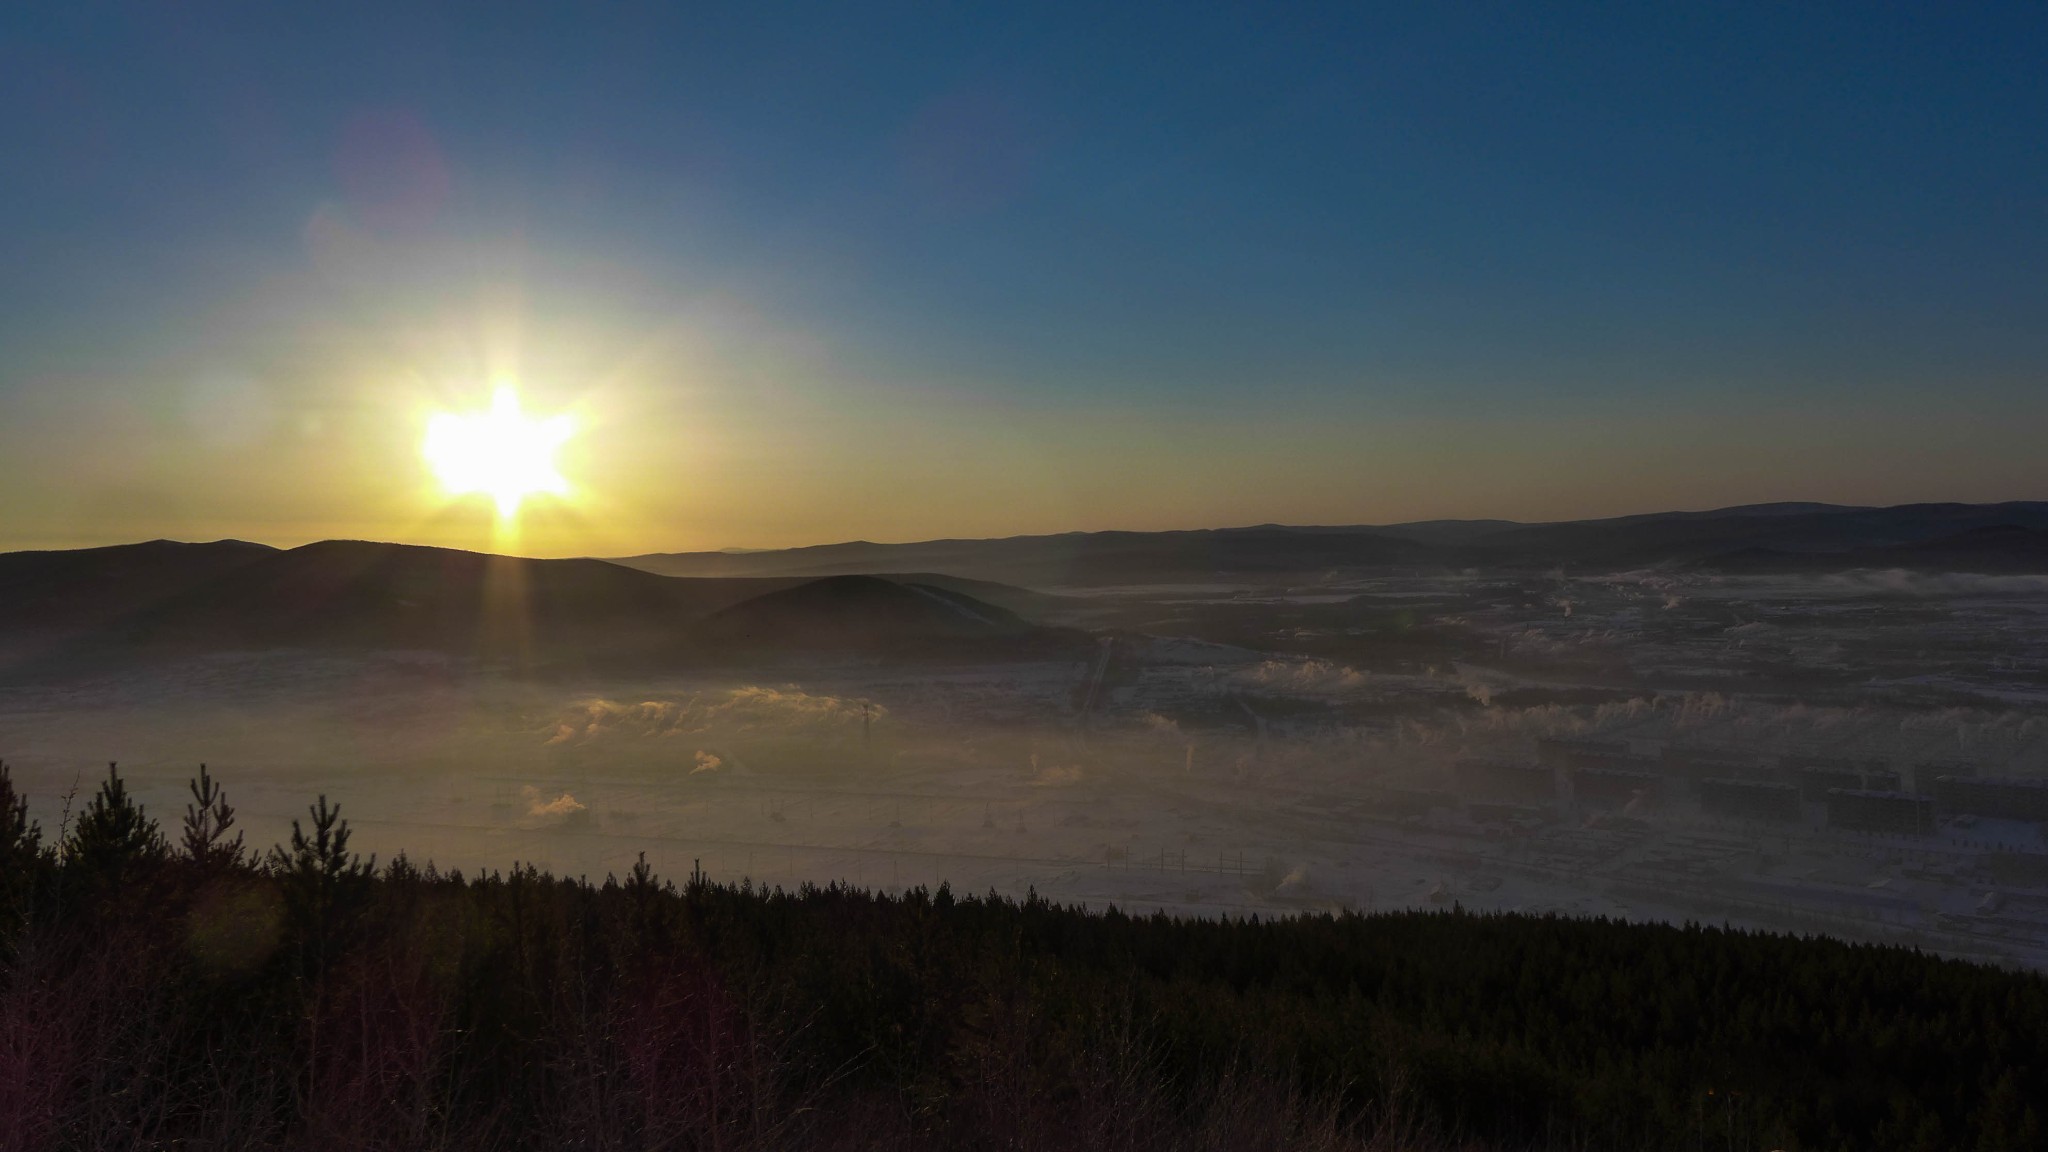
{"x": 194, "y": 995}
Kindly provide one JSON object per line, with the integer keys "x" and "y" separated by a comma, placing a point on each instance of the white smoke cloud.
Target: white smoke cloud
{"x": 1053, "y": 775}
{"x": 1478, "y": 685}
{"x": 560, "y": 807}
{"x": 1161, "y": 726}
{"x": 706, "y": 762}
{"x": 1295, "y": 883}
{"x": 733, "y": 710}
{"x": 1902, "y": 582}
{"x": 1302, "y": 677}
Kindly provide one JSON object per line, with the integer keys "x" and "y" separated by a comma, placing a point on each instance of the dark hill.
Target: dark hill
{"x": 1996, "y": 548}
{"x": 1078, "y": 558}
{"x": 354, "y": 594}
{"x": 49, "y": 600}
{"x": 108, "y": 607}
{"x": 865, "y": 613}
{"x": 1024, "y": 602}
{"x": 343, "y": 595}
{"x": 85, "y": 587}
{"x": 1830, "y": 537}
{"x": 1993, "y": 549}
{"x": 1789, "y": 536}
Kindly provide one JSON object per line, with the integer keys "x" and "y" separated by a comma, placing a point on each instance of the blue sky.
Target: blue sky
{"x": 823, "y": 272}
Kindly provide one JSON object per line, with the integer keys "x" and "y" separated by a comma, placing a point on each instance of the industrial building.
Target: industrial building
{"x": 1865, "y": 810}
{"x": 1816, "y": 783}
{"x": 1694, "y": 763}
{"x": 1570, "y": 755}
{"x": 1519, "y": 781}
{"x": 1819, "y": 775}
{"x": 1513, "y": 816}
{"x": 1795, "y": 762}
{"x": 1612, "y": 787}
{"x": 2010, "y": 797}
{"x": 1749, "y": 799}
{"x": 1409, "y": 801}
{"x": 1926, "y": 772}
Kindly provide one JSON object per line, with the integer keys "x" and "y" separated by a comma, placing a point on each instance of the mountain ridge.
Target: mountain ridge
{"x": 157, "y": 600}
{"x": 166, "y": 597}
{"x": 1803, "y": 531}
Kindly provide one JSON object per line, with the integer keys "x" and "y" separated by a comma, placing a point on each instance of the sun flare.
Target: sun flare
{"x": 500, "y": 452}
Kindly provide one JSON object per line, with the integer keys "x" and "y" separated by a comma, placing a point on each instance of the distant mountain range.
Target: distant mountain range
{"x": 116, "y": 605}
{"x": 966, "y": 598}
{"x": 2009, "y": 537}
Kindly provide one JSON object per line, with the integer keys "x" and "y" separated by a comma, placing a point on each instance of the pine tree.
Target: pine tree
{"x": 21, "y": 845}
{"x": 324, "y": 883}
{"x": 114, "y": 841}
{"x": 21, "y": 841}
{"x": 207, "y": 820}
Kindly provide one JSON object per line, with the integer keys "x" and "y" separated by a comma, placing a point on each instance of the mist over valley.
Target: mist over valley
{"x": 1211, "y": 737}
{"x": 1033, "y": 578}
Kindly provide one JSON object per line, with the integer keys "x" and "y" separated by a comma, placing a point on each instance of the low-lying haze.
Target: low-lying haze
{"x": 1221, "y": 747}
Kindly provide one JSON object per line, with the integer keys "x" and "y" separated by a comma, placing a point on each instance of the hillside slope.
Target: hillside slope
{"x": 108, "y": 607}
{"x": 1076, "y": 558}
{"x": 861, "y": 612}
{"x": 1789, "y": 536}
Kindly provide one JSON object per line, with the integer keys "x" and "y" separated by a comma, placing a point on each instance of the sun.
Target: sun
{"x": 500, "y": 452}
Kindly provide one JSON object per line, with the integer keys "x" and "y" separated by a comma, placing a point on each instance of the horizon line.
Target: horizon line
{"x": 1786, "y": 505}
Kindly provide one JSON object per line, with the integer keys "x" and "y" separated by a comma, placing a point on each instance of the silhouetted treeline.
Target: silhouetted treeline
{"x": 157, "y": 995}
